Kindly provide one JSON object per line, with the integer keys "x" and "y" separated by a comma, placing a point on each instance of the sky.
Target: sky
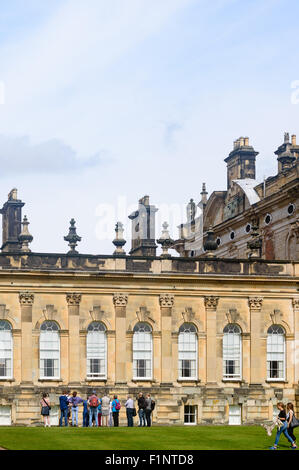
{"x": 104, "y": 102}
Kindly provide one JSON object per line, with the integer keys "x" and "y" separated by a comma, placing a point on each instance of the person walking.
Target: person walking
{"x": 45, "y": 409}
{"x": 290, "y": 414}
{"x": 93, "y": 403}
{"x": 74, "y": 401}
{"x": 283, "y": 429}
{"x": 64, "y": 406}
{"x": 149, "y": 403}
{"x": 115, "y": 410}
{"x": 130, "y": 411}
{"x": 141, "y": 408}
{"x": 105, "y": 409}
{"x": 85, "y": 414}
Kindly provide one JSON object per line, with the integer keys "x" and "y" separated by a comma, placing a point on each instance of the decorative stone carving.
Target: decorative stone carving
{"x": 120, "y": 300}
{"x": 211, "y": 302}
{"x": 26, "y": 298}
{"x": 144, "y": 315}
{"x": 166, "y": 300}
{"x": 188, "y": 315}
{"x": 233, "y": 315}
{"x": 255, "y": 303}
{"x": 73, "y": 299}
{"x": 276, "y": 317}
{"x": 97, "y": 314}
{"x": 295, "y": 303}
{"x": 49, "y": 312}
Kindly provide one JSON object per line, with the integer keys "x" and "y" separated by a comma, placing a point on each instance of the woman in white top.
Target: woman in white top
{"x": 105, "y": 410}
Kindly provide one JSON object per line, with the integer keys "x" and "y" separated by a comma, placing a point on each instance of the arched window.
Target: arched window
{"x": 142, "y": 351}
{"x": 96, "y": 350}
{"x": 187, "y": 351}
{"x": 6, "y": 350}
{"x": 232, "y": 352}
{"x": 49, "y": 350}
{"x": 276, "y": 353}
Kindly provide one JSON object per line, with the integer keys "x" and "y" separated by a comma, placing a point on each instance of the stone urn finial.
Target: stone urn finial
{"x": 72, "y": 238}
{"x": 165, "y": 241}
{"x": 25, "y": 237}
{"x": 119, "y": 240}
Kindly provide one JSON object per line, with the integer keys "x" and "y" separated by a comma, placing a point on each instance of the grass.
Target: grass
{"x": 154, "y": 438}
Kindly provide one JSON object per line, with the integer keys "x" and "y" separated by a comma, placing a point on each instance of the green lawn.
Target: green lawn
{"x": 154, "y": 438}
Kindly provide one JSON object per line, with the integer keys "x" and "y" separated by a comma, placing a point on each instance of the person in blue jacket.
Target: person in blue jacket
{"x": 85, "y": 414}
{"x": 64, "y": 406}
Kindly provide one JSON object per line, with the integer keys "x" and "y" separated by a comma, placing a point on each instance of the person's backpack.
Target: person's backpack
{"x": 117, "y": 406}
{"x": 93, "y": 401}
{"x": 153, "y": 404}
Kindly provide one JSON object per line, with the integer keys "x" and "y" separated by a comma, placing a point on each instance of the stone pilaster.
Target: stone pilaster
{"x": 295, "y": 303}
{"x": 73, "y": 302}
{"x": 255, "y": 306}
{"x": 26, "y": 301}
{"x": 166, "y": 304}
{"x": 120, "y": 302}
{"x": 211, "y": 303}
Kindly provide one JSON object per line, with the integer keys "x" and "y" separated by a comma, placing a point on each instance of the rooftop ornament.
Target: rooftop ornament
{"x": 210, "y": 244}
{"x": 255, "y": 244}
{"x": 119, "y": 240}
{"x": 165, "y": 241}
{"x": 25, "y": 237}
{"x": 72, "y": 238}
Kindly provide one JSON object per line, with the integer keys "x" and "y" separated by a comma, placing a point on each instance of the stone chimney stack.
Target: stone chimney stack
{"x": 11, "y": 222}
{"x": 286, "y": 153}
{"x": 241, "y": 161}
{"x": 143, "y": 229}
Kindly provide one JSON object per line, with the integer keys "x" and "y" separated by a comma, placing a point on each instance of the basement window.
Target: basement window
{"x": 234, "y": 415}
{"x": 190, "y": 415}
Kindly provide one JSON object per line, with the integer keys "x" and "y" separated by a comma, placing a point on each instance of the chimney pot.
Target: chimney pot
{"x": 293, "y": 139}
{"x": 241, "y": 141}
{"x": 247, "y": 141}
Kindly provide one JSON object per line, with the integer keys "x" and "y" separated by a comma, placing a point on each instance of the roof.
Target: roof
{"x": 247, "y": 185}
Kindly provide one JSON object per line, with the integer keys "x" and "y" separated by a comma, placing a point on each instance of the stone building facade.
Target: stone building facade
{"x": 212, "y": 335}
{"x": 270, "y": 206}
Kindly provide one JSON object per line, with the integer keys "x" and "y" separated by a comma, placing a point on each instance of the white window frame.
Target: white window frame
{"x": 41, "y": 369}
{"x": 195, "y": 377}
{"x": 278, "y": 379}
{"x": 100, "y": 376}
{"x": 230, "y": 407}
{"x": 9, "y": 376}
{"x": 191, "y": 414}
{"x": 150, "y": 377}
{"x": 232, "y": 377}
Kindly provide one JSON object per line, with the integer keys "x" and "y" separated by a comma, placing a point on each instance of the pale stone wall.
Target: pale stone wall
{"x": 165, "y": 301}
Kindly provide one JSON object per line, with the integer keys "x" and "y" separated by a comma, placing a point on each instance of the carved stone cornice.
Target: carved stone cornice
{"x": 211, "y": 302}
{"x": 295, "y": 303}
{"x": 255, "y": 303}
{"x": 26, "y": 298}
{"x": 166, "y": 300}
{"x": 73, "y": 298}
{"x": 120, "y": 300}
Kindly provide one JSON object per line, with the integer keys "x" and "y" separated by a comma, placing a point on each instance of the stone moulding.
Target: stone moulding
{"x": 166, "y": 300}
{"x": 120, "y": 300}
{"x": 73, "y": 298}
{"x": 26, "y": 298}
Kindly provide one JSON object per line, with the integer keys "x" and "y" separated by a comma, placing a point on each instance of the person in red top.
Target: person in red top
{"x": 93, "y": 403}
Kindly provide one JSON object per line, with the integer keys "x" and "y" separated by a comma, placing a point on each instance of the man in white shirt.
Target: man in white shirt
{"x": 130, "y": 410}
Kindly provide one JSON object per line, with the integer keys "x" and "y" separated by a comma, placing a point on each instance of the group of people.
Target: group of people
{"x": 287, "y": 423}
{"x": 98, "y": 411}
